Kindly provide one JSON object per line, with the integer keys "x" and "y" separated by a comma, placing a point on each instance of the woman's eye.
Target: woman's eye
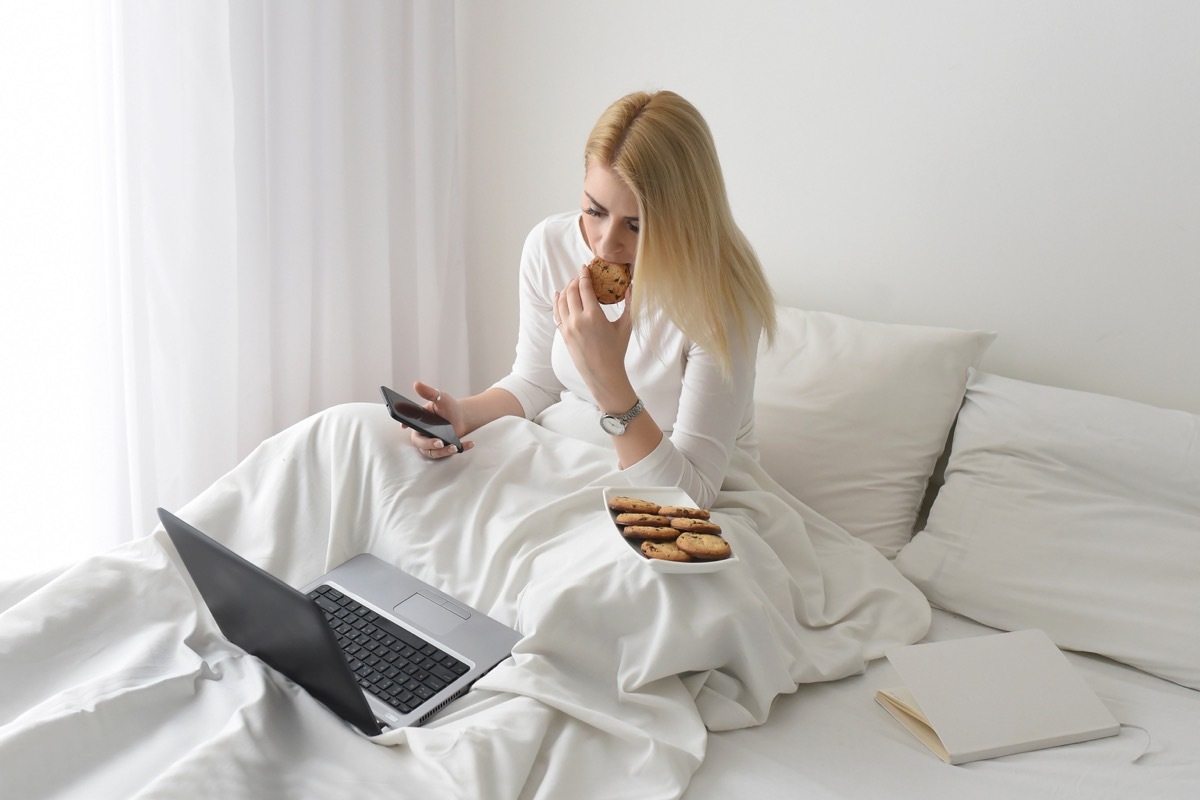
{"x": 591, "y": 212}
{"x": 633, "y": 226}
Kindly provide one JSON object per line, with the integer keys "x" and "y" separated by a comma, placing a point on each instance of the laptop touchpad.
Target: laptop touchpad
{"x": 424, "y": 612}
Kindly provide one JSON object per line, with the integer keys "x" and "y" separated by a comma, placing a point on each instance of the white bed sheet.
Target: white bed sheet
{"x": 832, "y": 740}
{"x": 117, "y": 683}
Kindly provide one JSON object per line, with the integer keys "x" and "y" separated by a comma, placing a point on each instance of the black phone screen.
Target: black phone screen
{"x": 419, "y": 418}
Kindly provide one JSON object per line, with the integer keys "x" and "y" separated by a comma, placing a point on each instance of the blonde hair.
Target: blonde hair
{"x": 694, "y": 264}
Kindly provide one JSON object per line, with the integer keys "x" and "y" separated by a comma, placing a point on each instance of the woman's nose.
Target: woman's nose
{"x": 611, "y": 242}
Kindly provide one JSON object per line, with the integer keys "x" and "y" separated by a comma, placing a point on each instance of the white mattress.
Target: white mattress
{"x": 832, "y": 740}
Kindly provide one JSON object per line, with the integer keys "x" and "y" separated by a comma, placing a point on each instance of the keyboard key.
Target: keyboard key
{"x": 327, "y": 604}
{"x": 443, "y": 674}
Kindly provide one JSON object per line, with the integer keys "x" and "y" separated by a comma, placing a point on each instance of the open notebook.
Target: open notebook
{"x": 988, "y": 696}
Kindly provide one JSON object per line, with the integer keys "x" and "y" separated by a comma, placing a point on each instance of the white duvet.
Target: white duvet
{"x": 116, "y": 682}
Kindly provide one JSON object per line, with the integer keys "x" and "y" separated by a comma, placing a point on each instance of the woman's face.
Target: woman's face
{"x": 610, "y": 215}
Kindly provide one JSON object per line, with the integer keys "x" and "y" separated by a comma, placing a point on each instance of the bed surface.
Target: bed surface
{"x": 833, "y": 740}
{"x": 119, "y": 684}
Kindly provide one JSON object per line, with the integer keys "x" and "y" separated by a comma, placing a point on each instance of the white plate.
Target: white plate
{"x": 664, "y": 496}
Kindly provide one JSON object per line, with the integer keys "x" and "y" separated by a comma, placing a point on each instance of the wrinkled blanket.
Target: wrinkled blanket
{"x": 117, "y": 683}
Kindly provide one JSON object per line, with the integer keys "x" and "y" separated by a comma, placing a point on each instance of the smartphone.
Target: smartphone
{"x": 419, "y": 418}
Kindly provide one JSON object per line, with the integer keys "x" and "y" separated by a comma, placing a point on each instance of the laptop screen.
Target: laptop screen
{"x": 271, "y": 620}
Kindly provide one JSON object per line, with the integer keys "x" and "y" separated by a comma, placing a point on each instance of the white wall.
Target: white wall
{"x": 1030, "y": 167}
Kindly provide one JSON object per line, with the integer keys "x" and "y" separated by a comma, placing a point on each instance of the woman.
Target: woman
{"x": 675, "y": 362}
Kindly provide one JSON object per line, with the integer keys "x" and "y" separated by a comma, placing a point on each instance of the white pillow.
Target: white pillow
{"x": 851, "y": 416}
{"x": 1075, "y": 513}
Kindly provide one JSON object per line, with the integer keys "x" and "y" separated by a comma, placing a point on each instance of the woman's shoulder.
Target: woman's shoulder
{"x": 558, "y": 240}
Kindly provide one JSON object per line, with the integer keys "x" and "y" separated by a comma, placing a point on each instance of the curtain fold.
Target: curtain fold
{"x": 282, "y": 229}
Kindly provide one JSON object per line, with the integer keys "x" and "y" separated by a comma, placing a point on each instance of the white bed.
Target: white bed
{"x": 832, "y": 740}
{"x": 1080, "y": 512}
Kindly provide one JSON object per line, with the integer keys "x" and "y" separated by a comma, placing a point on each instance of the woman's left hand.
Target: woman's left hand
{"x": 597, "y": 346}
{"x": 449, "y": 409}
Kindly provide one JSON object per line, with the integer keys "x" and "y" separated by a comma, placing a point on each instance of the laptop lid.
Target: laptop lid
{"x": 271, "y": 620}
{"x": 291, "y": 633}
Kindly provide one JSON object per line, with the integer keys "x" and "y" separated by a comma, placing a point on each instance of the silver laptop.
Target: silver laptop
{"x": 377, "y": 646}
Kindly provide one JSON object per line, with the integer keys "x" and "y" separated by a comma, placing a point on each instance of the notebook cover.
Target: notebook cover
{"x": 995, "y": 695}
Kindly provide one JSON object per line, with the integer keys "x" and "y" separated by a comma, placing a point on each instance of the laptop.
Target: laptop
{"x": 377, "y": 646}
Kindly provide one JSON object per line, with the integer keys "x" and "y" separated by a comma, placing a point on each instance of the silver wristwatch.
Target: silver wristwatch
{"x": 615, "y": 424}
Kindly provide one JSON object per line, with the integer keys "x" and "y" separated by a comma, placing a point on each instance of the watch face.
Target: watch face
{"x": 611, "y": 425}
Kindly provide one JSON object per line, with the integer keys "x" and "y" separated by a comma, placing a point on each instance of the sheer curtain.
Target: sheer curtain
{"x": 277, "y": 229}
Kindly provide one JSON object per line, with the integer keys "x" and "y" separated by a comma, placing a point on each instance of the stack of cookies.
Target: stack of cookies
{"x": 672, "y": 533}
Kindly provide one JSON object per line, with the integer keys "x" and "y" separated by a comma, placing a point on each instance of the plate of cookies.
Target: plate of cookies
{"x": 666, "y": 529}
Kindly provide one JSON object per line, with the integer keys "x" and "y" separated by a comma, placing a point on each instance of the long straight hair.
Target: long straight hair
{"x": 694, "y": 264}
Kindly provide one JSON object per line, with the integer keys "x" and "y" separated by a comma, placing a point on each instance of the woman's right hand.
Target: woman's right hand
{"x": 450, "y": 409}
{"x": 596, "y": 344}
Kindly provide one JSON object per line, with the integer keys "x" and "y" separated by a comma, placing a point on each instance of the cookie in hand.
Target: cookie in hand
{"x": 609, "y": 280}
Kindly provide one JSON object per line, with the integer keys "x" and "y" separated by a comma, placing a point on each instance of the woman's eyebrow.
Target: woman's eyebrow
{"x": 602, "y": 208}
{"x": 596, "y": 203}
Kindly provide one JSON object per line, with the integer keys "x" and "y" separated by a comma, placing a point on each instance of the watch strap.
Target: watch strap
{"x": 629, "y": 415}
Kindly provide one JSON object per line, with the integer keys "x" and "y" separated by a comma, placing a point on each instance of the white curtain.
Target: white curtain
{"x": 279, "y": 230}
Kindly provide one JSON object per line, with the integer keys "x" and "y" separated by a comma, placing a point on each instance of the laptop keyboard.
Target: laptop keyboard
{"x": 392, "y": 663}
